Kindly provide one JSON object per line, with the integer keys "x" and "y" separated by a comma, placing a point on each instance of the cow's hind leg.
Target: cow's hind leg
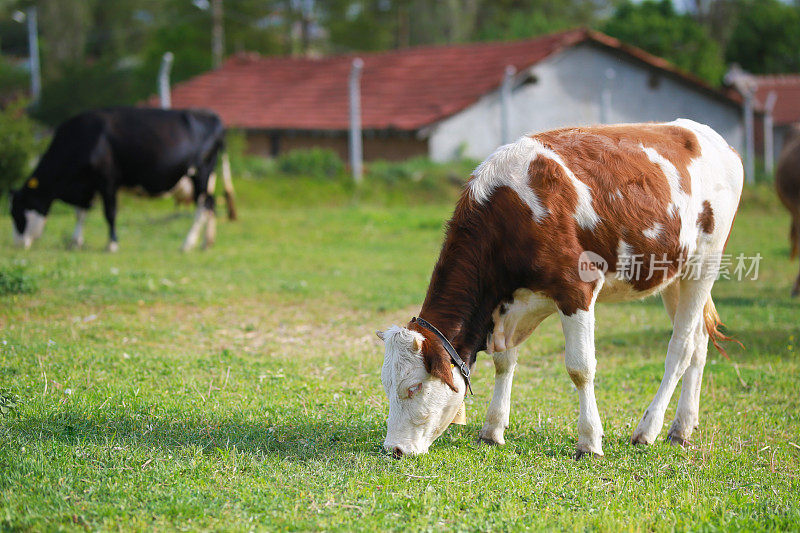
{"x": 687, "y": 415}
{"x": 200, "y": 219}
{"x": 688, "y": 317}
{"x": 498, "y": 414}
{"x": 77, "y": 236}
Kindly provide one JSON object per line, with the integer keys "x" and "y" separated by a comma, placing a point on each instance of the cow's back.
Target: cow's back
{"x": 153, "y": 148}
{"x": 665, "y": 191}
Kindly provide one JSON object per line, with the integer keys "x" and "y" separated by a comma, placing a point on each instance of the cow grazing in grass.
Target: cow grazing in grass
{"x": 148, "y": 150}
{"x": 787, "y": 181}
{"x": 554, "y": 223}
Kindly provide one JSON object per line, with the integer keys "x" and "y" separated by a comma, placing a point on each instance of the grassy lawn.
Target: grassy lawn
{"x": 239, "y": 388}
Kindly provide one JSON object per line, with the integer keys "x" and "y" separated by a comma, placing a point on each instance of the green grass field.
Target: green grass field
{"x": 239, "y": 388}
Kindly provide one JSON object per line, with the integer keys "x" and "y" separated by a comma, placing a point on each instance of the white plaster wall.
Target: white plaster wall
{"x": 568, "y": 92}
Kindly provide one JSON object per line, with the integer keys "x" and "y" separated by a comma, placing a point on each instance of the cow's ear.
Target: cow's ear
{"x": 437, "y": 363}
{"x": 381, "y": 335}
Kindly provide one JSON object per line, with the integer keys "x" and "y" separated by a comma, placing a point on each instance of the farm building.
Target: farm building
{"x": 786, "y": 111}
{"x": 447, "y": 101}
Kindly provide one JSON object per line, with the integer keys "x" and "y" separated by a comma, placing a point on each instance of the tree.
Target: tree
{"x": 18, "y": 145}
{"x": 520, "y": 19}
{"x": 658, "y": 28}
{"x": 766, "y": 37}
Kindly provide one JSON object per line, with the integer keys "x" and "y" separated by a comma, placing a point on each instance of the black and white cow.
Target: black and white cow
{"x": 97, "y": 152}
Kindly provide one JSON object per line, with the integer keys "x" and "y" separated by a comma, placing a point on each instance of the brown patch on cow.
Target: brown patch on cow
{"x": 676, "y": 144}
{"x": 434, "y": 356}
{"x": 609, "y": 158}
{"x": 705, "y": 220}
{"x": 495, "y": 247}
{"x": 578, "y": 378}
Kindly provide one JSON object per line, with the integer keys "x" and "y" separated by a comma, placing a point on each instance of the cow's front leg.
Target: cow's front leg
{"x": 579, "y": 357}
{"x": 77, "y": 235}
{"x": 498, "y": 413}
{"x": 200, "y": 220}
{"x": 110, "y": 211}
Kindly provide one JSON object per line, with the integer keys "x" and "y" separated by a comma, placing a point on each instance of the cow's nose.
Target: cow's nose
{"x": 397, "y": 453}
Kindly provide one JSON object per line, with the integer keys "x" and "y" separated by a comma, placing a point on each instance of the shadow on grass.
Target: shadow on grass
{"x": 296, "y": 440}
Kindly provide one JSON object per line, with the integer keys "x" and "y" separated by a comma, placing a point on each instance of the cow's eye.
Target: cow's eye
{"x": 413, "y": 390}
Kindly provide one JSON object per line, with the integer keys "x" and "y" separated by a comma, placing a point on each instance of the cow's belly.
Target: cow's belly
{"x": 515, "y": 321}
{"x": 616, "y": 289}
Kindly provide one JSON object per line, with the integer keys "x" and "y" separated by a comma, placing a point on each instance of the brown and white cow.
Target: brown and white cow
{"x": 528, "y": 217}
{"x": 787, "y": 182}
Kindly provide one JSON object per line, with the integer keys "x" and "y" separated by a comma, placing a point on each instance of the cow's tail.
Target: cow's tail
{"x": 227, "y": 182}
{"x": 713, "y": 323}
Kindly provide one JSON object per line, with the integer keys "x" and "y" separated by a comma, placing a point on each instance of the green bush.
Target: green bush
{"x": 316, "y": 163}
{"x": 419, "y": 170}
{"x": 18, "y": 145}
{"x": 15, "y": 280}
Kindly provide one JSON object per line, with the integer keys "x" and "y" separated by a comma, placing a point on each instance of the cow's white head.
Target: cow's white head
{"x": 422, "y": 404}
{"x": 27, "y": 222}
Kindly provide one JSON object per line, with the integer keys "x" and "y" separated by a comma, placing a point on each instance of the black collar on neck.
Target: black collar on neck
{"x": 454, "y": 357}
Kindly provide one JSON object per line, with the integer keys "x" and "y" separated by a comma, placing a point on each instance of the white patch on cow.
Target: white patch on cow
{"x": 212, "y": 184}
{"x": 508, "y": 166}
{"x": 680, "y": 203}
{"x": 415, "y": 420}
{"x": 584, "y": 215}
{"x": 717, "y": 177}
{"x": 616, "y": 195}
{"x": 34, "y": 227}
{"x": 515, "y": 321}
{"x": 183, "y": 191}
{"x": 625, "y": 259}
{"x": 653, "y": 232}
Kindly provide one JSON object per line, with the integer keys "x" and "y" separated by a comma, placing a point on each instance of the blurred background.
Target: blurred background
{"x": 437, "y": 82}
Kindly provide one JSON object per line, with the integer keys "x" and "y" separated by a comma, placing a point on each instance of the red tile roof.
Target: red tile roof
{"x": 787, "y": 88}
{"x": 401, "y": 90}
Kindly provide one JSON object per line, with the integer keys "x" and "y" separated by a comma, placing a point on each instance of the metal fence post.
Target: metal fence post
{"x": 33, "y": 48}
{"x": 606, "y": 95}
{"x": 356, "y": 150}
{"x": 505, "y": 104}
{"x": 163, "y": 80}
{"x": 769, "y": 155}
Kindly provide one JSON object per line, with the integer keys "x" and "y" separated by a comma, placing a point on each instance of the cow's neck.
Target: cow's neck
{"x": 467, "y": 285}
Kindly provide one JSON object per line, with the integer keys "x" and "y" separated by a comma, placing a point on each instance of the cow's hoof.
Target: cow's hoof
{"x": 795, "y": 292}
{"x": 491, "y": 438}
{"x": 113, "y": 247}
{"x": 580, "y": 454}
{"x": 75, "y": 245}
{"x": 675, "y": 440}
{"x": 639, "y": 439}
